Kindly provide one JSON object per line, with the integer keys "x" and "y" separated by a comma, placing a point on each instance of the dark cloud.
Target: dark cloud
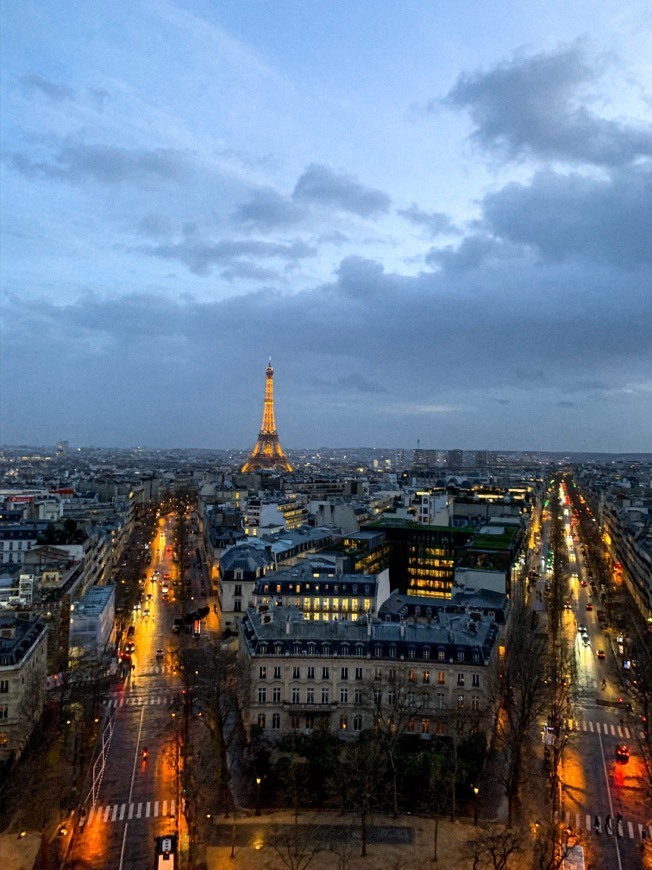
{"x": 566, "y": 404}
{"x": 200, "y": 255}
{"x": 435, "y": 222}
{"x": 534, "y": 105}
{"x": 37, "y": 84}
{"x": 99, "y": 96}
{"x": 352, "y": 382}
{"x": 106, "y": 164}
{"x": 267, "y": 209}
{"x": 321, "y": 185}
{"x": 154, "y": 226}
{"x": 250, "y": 271}
{"x": 471, "y": 253}
{"x": 574, "y": 216}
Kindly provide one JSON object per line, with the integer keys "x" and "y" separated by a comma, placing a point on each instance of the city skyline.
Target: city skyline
{"x": 436, "y": 221}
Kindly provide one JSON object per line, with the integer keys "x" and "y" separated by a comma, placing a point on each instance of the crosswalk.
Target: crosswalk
{"x": 136, "y": 701}
{"x": 605, "y": 728}
{"x": 628, "y": 829}
{"x": 130, "y": 811}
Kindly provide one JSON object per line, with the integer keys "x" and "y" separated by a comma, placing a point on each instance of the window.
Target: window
{"x": 262, "y": 672}
{"x": 310, "y": 695}
{"x": 276, "y": 721}
{"x": 262, "y": 695}
{"x": 296, "y": 673}
{"x": 312, "y": 649}
{"x": 410, "y": 726}
{"x": 441, "y": 678}
{"x": 426, "y": 676}
{"x": 475, "y": 702}
{"x": 237, "y": 605}
{"x": 311, "y": 673}
{"x": 378, "y": 673}
{"x": 426, "y": 653}
{"x": 357, "y": 723}
{"x": 378, "y": 696}
{"x": 344, "y": 696}
{"x": 238, "y": 590}
{"x": 277, "y": 672}
{"x": 412, "y": 676}
{"x": 476, "y": 657}
{"x": 378, "y": 651}
{"x": 441, "y": 701}
{"x": 295, "y": 694}
{"x": 460, "y": 679}
{"x": 460, "y": 702}
{"x": 310, "y": 722}
{"x": 324, "y": 696}
{"x": 410, "y": 698}
{"x": 425, "y": 726}
{"x": 392, "y": 651}
{"x": 460, "y": 655}
{"x": 4, "y": 686}
{"x": 276, "y": 695}
{"x": 344, "y": 674}
{"x": 295, "y": 722}
{"x": 278, "y": 648}
{"x": 475, "y": 681}
{"x": 391, "y": 697}
{"x": 357, "y": 697}
{"x": 261, "y": 720}
{"x": 358, "y": 673}
{"x": 325, "y": 673}
{"x": 391, "y": 674}
{"x": 441, "y": 655}
{"x": 344, "y": 723}
{"x": 412, "y": 653}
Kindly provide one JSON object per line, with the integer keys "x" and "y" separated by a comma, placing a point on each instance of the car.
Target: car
{"x": 159, "y": 653}
{"x": 589, "y": 606}
{"x": 622, "y": 752}
{"x": 585, "y": 640}
{"x": 130, "y": 647}
{"x": 581, "y": 628}
{"x": 584, "y": 583}
{"x": 600, "y": 654}
{"x": 567, "y": 605}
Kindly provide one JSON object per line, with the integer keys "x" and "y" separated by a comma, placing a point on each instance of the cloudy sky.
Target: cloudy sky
{"x": 435, "y": 216}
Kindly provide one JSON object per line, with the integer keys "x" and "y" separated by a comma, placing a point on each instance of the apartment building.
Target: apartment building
{"x": 305, "y": 674}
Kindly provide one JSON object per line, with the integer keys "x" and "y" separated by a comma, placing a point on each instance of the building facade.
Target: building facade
{"x": 305, "y": 675}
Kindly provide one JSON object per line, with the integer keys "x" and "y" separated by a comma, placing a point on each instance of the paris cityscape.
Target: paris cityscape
{"x": 325, "y": 436}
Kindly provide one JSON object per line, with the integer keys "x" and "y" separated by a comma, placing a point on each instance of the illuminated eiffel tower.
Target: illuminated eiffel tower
{"x": 267, "y": 452}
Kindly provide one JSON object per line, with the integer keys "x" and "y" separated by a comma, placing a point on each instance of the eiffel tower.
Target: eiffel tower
{"x": 267, "y": 452}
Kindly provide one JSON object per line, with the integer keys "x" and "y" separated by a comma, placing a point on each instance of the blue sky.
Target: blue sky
{"x": 436, "y": 217}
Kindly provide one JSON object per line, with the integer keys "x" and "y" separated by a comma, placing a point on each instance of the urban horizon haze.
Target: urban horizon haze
{"x": 436, "y": 220}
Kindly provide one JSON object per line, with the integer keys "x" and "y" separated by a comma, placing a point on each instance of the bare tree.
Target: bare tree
{"x": 494, "y": 849}
{"x": 519, "y": 693}
{"x": 364, "y": 766}
{"x": 393, "y": 703}
{"x": 293, "y": 847}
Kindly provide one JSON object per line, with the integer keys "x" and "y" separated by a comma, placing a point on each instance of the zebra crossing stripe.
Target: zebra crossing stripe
{"x": 630, "y": 828}
{"x": 139, "y": 810}
{"x": 92, "y": 812}
{"x": 147, "y": 809}
{"x": 173, "y": 808}
{"x": 106, "y": 812}
{"x": 131, "y": 811}
{"x": 588, "y": 822}
{"x": 591, "y": 725}
{"x": 156, "y": 808}
{"x": 584, "y": 726}
{"x": 613, "y": 731}
{"x": 115, "y": 812}
{"x": 165, "y": 803}
{"x": 122, "y": 811}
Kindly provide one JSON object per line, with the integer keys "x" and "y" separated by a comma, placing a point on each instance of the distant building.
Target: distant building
{"x": 92, "y": 624}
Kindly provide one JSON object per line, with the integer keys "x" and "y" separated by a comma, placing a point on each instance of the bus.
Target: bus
{"x": 166, "y": 852}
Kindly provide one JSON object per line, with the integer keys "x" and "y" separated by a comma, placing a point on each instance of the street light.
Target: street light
{"x": 258, "y": 782}
{"x": 475, "y": 805}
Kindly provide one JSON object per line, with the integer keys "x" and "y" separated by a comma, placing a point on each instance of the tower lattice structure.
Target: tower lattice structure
{"x": 267, "y": 452}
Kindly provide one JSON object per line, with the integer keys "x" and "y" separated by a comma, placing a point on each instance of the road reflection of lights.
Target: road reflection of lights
{"x": 258, "y": 843}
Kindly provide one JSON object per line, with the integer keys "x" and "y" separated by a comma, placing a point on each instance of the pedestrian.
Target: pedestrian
{"x": 607, "y": 825}
{"x": 619, "y": 825}
{"x": 597, "y": 825}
